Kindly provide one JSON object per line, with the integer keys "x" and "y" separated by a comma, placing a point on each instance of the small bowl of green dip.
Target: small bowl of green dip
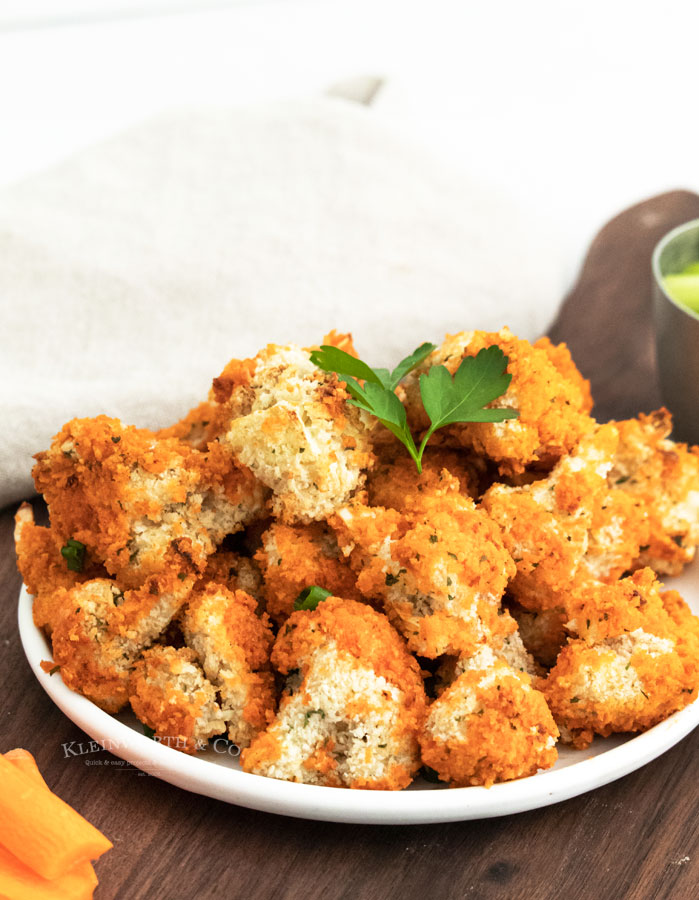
{"x": 675, "y": 266}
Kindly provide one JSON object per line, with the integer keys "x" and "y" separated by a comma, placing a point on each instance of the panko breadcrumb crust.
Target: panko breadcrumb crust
{"x": 169, "y": 693}
{"x": 489, "y": 725}
{"x": 233, "y": 646}
{"x": 551, "y": 396}
{"x": 388, "y": 689}
{"x": 440, "y": 566}
{"x": 141, "y": 504}
{"x": 292, "y": 557}
{"x": 520, "y": 567}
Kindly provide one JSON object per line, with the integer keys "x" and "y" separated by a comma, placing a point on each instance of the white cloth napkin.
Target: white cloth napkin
{"x": 130, "y": 274}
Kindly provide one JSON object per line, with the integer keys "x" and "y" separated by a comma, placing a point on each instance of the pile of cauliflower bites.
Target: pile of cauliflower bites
{"x": 502, "y": 600}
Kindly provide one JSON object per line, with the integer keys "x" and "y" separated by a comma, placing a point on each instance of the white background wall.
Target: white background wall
{"x": 578, "y": 108}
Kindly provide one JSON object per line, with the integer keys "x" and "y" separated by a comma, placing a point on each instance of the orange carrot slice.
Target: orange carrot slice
{"x": 19, "y": 882}
{"x": 40, "y": 829}
{"x": 25, "y": 762}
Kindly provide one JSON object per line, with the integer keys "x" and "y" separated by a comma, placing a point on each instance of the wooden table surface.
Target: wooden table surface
{"x": 636, "y": 838}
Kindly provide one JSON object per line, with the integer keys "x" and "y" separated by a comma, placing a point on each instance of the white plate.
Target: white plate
{"x": 218, "y": 775}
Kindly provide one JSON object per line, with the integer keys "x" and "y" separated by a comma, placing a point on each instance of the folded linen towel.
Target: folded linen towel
{"x": 130, "y": 274}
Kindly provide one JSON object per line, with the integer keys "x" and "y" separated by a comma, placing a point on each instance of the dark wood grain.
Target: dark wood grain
{"x": 637, "y": 838}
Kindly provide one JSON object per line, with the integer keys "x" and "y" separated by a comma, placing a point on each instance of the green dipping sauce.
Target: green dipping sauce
{"x": 683, "y": 286}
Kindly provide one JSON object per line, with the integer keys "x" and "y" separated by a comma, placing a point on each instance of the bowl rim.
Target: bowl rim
{"x": 655, "y": 264}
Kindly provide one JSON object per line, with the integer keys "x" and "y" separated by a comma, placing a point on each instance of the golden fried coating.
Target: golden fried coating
{"x": 663, "y": 477}
{"x": 204, "y": 423}
{"x": 293, "y": 557}
{"x": 395, "y": 479}
{"x": 291, "y": 424}
{"x": 235, "y": 572}
{"x": 552, "y": 398}
{"x": 43, "y": 568}
{"x": 169, "y": 693}
{"x": 570, "y": 526}
{"x": 353, "y": 703}
{"x": 489, "y": 725}
{"x": 195, "y": 429}
{"x": 141, "y": 505}
{"x": 343, "y": 341}
{"x": 507, "y": 646}
{"x": 440, "y": 567}
{"x": 233, "y": 646}
{"x": 559, "y": 354}
{"x": 635, "y": 662}
{"x": 100, "y": 631}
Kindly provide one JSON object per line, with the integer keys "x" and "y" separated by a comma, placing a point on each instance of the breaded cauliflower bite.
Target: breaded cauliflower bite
{"x": 663, "y": 477}
{"x": 542, "y": 633}
{"x": 291, "y": 424}
{"x": 396, "y": 479}
{"x": 439, "y": 567}
{"x": 635, "y": 660}
{"x": 489, "y": 725}
{"x": 551, "y": 396}
{"x": 43, "y": 568}
{"x": 141, "y": 505}
{"x": 353, "y": 703}
{"x": 293, "y": 557}
{"x": 195, "y": 429}
{"x": 235, "y": 572}
{"x": 100, "y": 631}
{"x": 570, "y": 526}
{"x": 233, "y": 647}
{"x": 507, "y": 646}
{"x": 169, "y": 693}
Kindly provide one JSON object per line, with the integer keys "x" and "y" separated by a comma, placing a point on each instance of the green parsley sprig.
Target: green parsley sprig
{"x": 74, "y": 555}
{"x": 310, "y": 597}
{"x": 446, "y": 399}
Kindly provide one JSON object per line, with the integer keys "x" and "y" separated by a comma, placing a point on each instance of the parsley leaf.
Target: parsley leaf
{"x": 387, "y": 408}
{"x": 310, "y": 597}
{"x": 478, "y": 381}
{"x": 376, "y": 396}
{"x": 409, "y": 363}
{"x": 148, "y": 731}
{"x": 332, "y": 359}
{"x": 74, "y": 555}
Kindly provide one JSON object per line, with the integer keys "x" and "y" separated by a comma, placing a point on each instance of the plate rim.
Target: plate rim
{"x": 321, "y": 803}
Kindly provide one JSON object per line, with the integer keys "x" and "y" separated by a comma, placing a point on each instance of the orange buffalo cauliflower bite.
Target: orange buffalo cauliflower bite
{"x": 169, "y": 693}
{"x": 352, "y": 707}
{"x": 43, "y": 568}
{"x": 396, "y": 479}
{"x": 489, "y": 725}
{"x": 663, "y": 477}
{"x": 291, "y": 424}
{"x": 204, "y": 423}
{"x": 635, "y": 660}
{"x": 552, "y": 398}
{"x": 233, "y": 646}
{"x": 570, "y": 526}
{"x": 439, "y": 567}
{"x": 195, "y": 429}
{"x": 139, "y": 504}
{"x": 235, "y": 572}
{"x": 542, "y": 633}
{"x": 293, "y": 557}
{"x": 100, "y": 630}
